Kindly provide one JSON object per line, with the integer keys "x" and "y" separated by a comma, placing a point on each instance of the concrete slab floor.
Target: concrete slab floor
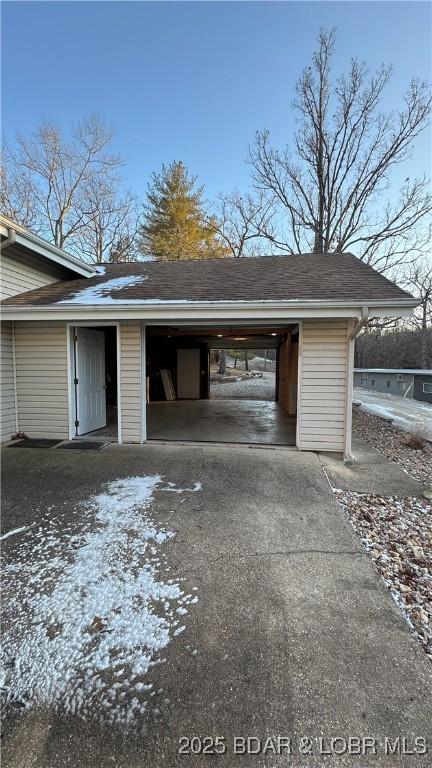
{"x": 294, "y": 633}
{"x": 221, "y": 421}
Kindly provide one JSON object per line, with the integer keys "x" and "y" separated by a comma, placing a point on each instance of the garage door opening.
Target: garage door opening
{"x": 243, "y": 374}
{"x": 94, "y": 387}
{"x": 184, "y": 404}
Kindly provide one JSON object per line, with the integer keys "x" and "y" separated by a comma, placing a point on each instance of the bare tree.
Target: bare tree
{"x": 419, "y": 281}
{"x": 67, "y": 189}
{"x": 402, "y": 347}
{"x": 242, "y": 220}
{"x": 329, "y": 185}
{"x": 403, "y": 342}
{"x": 111, "y": 225}
{"x": 17, "y": 194}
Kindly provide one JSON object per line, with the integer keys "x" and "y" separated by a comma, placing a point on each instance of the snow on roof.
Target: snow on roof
{"x": 100, "y": 293}
{"x": 326, "y": 279}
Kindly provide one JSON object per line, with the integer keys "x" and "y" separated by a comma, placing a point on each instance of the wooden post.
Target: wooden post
{"x": 284, "y": 371}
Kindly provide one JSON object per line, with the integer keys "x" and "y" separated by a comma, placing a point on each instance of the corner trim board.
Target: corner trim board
{"x": 349, "y": 392}
{"x": 15, "y": 378}
{"x": 299, "y": 387}
{"x": 143, "y": 384}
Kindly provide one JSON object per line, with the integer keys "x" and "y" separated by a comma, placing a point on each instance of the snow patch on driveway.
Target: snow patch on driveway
{"x": 86, "y": 611}
{"x": 172, "y": 487}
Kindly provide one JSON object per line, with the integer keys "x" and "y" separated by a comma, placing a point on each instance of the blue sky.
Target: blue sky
{"x": 193, "y": 81}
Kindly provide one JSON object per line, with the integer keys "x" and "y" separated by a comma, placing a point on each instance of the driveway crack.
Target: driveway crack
{"x": 288, "y": 552}
{"x": 281, "y": 553}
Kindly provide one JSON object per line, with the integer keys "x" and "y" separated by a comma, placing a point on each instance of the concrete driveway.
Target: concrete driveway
{"x": 292, "y": 633}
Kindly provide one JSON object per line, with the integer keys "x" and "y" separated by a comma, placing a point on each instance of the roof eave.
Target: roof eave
{"x": 158, "y": 312}
{"x": 42, "y": 248}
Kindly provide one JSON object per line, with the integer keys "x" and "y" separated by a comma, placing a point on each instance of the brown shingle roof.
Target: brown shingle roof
{"x": 305, "y": 277}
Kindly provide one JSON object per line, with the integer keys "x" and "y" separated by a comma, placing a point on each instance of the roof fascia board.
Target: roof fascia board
{"x": 48, "y": 251}
{"x": 157, "y": 313}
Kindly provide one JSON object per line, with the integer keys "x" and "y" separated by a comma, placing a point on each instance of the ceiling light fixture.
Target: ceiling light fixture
{"x": 220, "y": 335}
{"x": 274, "y": 334}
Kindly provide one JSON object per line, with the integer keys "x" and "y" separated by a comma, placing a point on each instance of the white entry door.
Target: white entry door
{"x": 90, "y": 374}
{"x": 188, "y": 374}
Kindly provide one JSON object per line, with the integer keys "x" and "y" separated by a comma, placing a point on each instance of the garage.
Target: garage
{"x": 150, "y": 329}
{"x": 178, "y": 374}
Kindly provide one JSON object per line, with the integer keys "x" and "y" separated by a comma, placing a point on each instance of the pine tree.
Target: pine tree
{"x": 175, "y": 226}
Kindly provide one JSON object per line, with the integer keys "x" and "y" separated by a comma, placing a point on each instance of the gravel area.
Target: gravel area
{"x": 392, "y": 443}
{"x": 397, "y": 530}
{"x": 245, "y": 389}
{"x": 397, "y": 533}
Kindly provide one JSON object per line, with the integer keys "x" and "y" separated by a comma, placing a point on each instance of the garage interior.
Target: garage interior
{"x": 179, "y": 406}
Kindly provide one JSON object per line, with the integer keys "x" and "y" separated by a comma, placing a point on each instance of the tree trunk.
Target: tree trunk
{"x": 222, "y": 362}
{"x": 246, "y": 360}
{"x": 319, "y": 225}
{"x": 58, "y": 233}
{"x": 424, "y": 360}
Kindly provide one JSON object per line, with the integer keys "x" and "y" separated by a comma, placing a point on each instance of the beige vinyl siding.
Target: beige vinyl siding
{"x": 131, "y": 381}
{"x": 323, "y": 385}
{"x": 42, "y": 379}
{"x": 21, "y": 272}
{"x": 7, "y": 413}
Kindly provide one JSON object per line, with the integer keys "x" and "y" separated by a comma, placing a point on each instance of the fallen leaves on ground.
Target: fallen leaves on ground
{"x": 397, "y": 533}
